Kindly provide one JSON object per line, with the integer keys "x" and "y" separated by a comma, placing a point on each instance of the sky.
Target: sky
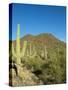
{"x": 37, "y": 19}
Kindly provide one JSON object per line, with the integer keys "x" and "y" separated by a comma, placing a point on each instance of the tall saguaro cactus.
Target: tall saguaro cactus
{"x": 18, "y": 45}
{"x": 18, "y": 53}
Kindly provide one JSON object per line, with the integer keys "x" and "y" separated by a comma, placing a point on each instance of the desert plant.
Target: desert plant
{"x": 18, "y": 54}
{"x": 45, "y": 52}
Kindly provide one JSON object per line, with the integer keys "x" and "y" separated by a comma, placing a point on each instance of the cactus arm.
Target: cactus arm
{"x": 32, "y": 54}
{"x": 24, "y": 48}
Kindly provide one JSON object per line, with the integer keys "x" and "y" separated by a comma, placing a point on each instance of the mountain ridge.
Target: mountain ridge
{"x": 47, "y": 39}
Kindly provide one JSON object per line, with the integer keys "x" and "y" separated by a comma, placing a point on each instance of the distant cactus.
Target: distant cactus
{"x": 30, "y": 49}
{"x": 31, "y": 52}
{"x": 34, "y": 50}
{"x": 45, "y": 52}
{"x": 42, "y": 53}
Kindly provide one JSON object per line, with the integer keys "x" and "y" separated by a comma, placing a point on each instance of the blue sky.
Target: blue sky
{"x": 36, "y": 19}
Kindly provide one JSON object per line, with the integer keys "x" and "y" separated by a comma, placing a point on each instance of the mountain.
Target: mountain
{"x": 45, "y": 38}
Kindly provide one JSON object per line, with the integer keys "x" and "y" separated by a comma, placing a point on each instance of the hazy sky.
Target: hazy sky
{"x": 36, "y": 19}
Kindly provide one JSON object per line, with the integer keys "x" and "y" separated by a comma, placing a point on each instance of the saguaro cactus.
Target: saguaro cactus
{"x": 18, "y": 54}
{"x": 45, "y": 52}
{"x": 31, "y": 52}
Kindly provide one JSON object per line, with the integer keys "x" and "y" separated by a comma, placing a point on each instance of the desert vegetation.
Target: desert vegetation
{"x": 37, "y": 60}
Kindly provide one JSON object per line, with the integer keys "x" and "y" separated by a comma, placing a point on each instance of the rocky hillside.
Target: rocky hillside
{"x": 45, "y": 59}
